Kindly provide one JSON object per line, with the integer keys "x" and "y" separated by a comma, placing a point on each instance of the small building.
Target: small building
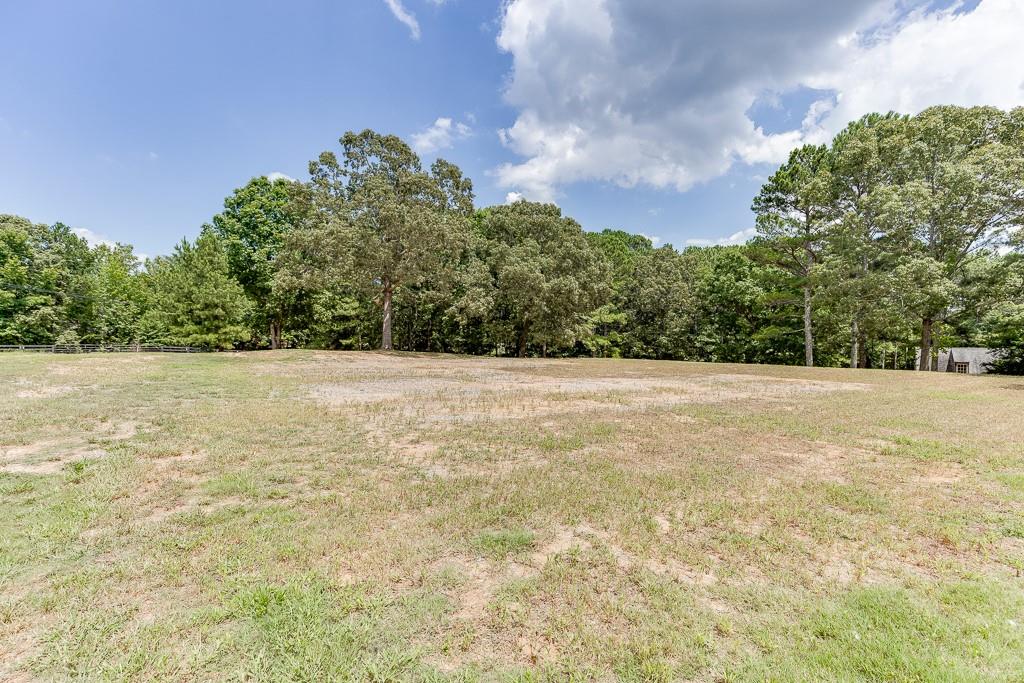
{"x": 966, "y": 360}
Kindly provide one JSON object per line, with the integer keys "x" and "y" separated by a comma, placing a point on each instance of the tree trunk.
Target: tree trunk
{"x": 926, "y": 345}
{"x": 863, "y": 360}
{"x": 854, "y": 339}
{"x": 523, "y": 332}
{"x": 385, "y": 336}
{"x": 808, "y": 331}
{"x": 275, "y": 334}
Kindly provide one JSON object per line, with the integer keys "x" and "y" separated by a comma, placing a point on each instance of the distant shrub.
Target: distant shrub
{"x": 68, "y": 337}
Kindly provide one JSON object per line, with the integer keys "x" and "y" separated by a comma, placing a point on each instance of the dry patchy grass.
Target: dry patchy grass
{"x": 362, "y": 516}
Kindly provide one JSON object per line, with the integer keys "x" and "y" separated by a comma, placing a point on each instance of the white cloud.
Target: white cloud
{"x": 945, "y": 57}
{"x": 513, "y": 197}
{"x": 656, "y": 93}
{"x": 404, "y": 16}
{"x": 655, "y": 240}
{"x": 93, "y": 238}
{"x": 739, "y": 237}
{"x": 277, "y": 175}
{"x": 442, "y": 134}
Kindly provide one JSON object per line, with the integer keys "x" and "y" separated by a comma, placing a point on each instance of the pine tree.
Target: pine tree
{"x": 196, "y": 302}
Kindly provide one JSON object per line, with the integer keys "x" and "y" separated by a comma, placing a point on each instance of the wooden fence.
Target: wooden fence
{"x": 100, "y": 348}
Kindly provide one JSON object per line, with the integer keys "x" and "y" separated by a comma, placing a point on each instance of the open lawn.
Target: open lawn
{"x": 376, "y": 517}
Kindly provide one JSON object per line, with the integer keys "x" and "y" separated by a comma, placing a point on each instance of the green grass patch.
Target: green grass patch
{"x": 855, "y": 498}
{"x": 929, "y": 450}
{"x": 503, "y": 542}
{"x": 960, "y": 632}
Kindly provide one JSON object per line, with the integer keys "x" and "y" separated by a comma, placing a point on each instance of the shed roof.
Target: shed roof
{"x": 977, "y": 356}
{"x": 965, "y": 354}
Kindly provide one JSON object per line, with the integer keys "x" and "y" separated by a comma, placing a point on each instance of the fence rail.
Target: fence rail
{"x": 100, "y": 348}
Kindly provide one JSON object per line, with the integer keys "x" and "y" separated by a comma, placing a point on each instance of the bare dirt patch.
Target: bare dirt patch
{"x": 679, "y": 571}
{"x": 565, "y": 539}
{"x": 50, "y": 456}
{"x": 118, "y": 431}
{"x": 496, "y": 389}
{"x": 25, "y": 451}
{"x": 821, "y": 462}
{"x": 162, "y": 512}
{"x": 54, "y": 464}
{"x": 397, "y": 389}
{"x": 663, "y": 523}
{"x": 480, "y": 580}
{"x": 941, "y": 474}
{"x": 37, "y": 391}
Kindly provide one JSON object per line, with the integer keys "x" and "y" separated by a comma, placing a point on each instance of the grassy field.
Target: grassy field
{"x": 392, "y": 517}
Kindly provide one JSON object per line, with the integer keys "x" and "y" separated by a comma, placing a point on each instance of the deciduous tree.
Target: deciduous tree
{"x": 382, "y": 222}
{"x": 964, "y": 192}
{"x": 253, "y": 226}
{"x": 546, "y": 276}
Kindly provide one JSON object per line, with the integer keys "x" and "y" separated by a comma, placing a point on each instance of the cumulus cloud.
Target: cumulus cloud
{"x": 405, "y": 16}
{"x": 442, "y": 134}
{"x": 277, "y": 175}
{"x": 93, "y": 238}
{"x": 649, "y": 92}
{"x": 739, "y": 237}
{"x": 927, "y": 58}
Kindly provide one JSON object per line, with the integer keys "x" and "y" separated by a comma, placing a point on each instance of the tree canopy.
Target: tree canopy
{"x": 901, "y": 236}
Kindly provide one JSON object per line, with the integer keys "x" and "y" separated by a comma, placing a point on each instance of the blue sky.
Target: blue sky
{"x": 133, "y": 120}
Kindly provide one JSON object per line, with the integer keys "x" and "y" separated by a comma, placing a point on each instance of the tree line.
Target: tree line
{"x": 901, "y": 235}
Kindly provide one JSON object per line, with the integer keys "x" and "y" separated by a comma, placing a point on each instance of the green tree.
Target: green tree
{"x": 793, "y": 212}
{"x": 869, "y": 232}
{"x": 1002, "y": 326}
{"x": 545, "y": 277}
{"x": 195, "y": 300}
{"x": 964, "y": 193}
{"x": 381, "y": 222}
{"x": 602, "y": 331}
{"x": 730, "y": 316}
{"x": 1003, "y": 331}
{"x": 253, "y": 226}
{"x": 117, "y": 295}
{"x": 44, "y": 281}
{"x": 607, "y": 329}
{"x": 338, "y": 321}
{"x": 659, "y": 305}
